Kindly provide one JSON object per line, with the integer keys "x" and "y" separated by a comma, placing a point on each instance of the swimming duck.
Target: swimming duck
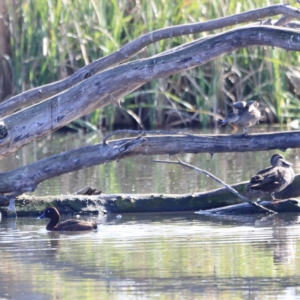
{"x": 247, "y": 115}
{"x": 272, "y": 179}
{"x": 69, "y": 225}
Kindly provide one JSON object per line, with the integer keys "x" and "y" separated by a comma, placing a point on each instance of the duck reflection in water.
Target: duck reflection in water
{"x": 68, "y": 225}
{"x": 247, "y": 115}
{"x": 272, "y": 179}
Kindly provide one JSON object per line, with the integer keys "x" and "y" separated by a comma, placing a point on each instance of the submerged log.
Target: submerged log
{"x": 287, "y": 205}
{"x": 143, "y": 203}
{"x": 119, "y": 203}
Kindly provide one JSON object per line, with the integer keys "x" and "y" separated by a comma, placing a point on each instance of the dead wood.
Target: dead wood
{"x": 229, "y": 188}
{"x": 126, "y": 203}
{"x": 87, "y": 90}
{"x": 123, "y": 54}
{"x": 146, "y": 203}
{"x": 287, "y": 205}
{"x": 109, "y": 86}
{"x": 27, "y": 178}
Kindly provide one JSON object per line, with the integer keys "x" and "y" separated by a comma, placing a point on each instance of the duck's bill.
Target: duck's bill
{"x": 42, "y": 216}
{"x": 222, "y": 123}
{"x": 287, "y": 163}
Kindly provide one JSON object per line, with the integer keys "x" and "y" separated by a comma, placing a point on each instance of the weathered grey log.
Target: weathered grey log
{"x": 110, "y": 85}
{"x": 27, "y": 178}
{"x": 41, "y": 93}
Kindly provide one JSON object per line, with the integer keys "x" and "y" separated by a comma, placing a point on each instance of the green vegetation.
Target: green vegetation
{"x": 51, "y": 39}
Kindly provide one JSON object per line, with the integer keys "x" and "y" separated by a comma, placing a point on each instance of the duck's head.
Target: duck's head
{"x": 50, "y": 212}
{"x": 277, "y": 160}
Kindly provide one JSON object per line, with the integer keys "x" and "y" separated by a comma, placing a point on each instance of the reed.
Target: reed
{"x": 51, "y": 39}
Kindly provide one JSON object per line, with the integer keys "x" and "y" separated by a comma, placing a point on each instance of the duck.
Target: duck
{"x": 69, "y": 225}
{"x": 246, "y": 116}
{"x": 272, "y": 179}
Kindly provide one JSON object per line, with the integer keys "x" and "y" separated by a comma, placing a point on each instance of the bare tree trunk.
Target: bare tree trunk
{"x": 109, "y": 86}
{"x": 41, "y": 93}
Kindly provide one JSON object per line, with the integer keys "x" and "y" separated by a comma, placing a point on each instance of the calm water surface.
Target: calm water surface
{"x": 150, "y": 256}
{"x": 153, "y": 256}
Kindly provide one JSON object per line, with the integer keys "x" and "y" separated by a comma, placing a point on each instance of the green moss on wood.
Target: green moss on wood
{"x": 128, "y": 203}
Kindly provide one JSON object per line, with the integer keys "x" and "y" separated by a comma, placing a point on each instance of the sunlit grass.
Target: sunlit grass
{"x": 51, "y": 39}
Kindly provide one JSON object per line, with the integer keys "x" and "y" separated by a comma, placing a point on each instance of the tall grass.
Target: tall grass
{"x": 53, "y": 38}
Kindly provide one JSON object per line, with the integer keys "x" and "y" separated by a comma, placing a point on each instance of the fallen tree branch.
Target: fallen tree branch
{"x": 282, "y": 206}
{"x": 109, "y": 86}
{"x": 123, "y": 54}
{"x": 228, "y": 187}
{"x": 28, "y": 177}
{"x": 133, "y": 203}
{"x": 140, "y": 132}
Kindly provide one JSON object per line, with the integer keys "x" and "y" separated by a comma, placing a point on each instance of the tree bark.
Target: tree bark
{"x": 27, "y": 178}
{"x": 109, "y": 86}
{"x": 85, "y": 91}
{"x": 41, "y": 93}
{"x": 134, "y": 203}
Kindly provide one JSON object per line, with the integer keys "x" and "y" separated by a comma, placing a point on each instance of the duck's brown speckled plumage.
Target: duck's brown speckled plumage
{"x": 272, "y": 179}
{"x": 69, "y": 225}
{"x": 246, "y": 116}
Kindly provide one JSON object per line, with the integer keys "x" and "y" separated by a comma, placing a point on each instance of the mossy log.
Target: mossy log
{"x": 121, "y": 203}
{"x": 144, "y": 203}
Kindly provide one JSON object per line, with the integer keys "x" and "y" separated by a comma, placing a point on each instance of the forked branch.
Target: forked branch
{"x": 229, "y": 188}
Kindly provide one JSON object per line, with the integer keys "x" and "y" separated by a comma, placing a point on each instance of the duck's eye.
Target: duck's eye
{"x": 48, "y": 211}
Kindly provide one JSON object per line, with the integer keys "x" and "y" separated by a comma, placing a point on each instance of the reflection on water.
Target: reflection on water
{"x": 140, "y": 174}
{"x": 150, "y": 256}
{"x": 153, "y": 256}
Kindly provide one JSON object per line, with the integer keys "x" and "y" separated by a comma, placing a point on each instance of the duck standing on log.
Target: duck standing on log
{"x": 272, "y": 179}
{"x": 247, "y": 115}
